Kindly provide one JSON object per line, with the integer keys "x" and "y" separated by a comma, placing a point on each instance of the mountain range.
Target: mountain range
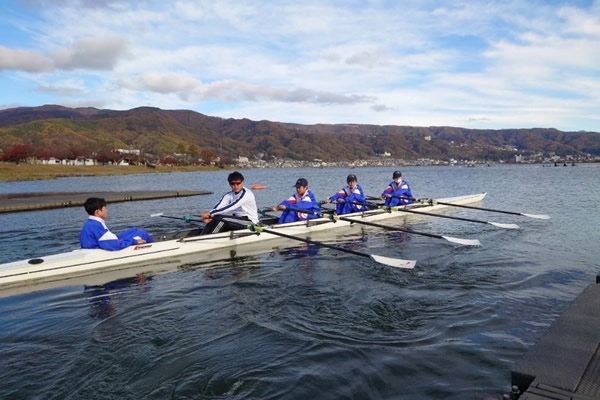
{"x": 55, "y": 129}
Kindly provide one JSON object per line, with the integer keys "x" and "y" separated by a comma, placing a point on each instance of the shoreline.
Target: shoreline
{"x": 10, "y": 172}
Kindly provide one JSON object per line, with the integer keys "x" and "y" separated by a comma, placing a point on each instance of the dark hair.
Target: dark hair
{"x": 93, "y": 203}
{"x": 235, "y": 176}
{"x": 351, "y": 178}
{"x": 397, "y": 174}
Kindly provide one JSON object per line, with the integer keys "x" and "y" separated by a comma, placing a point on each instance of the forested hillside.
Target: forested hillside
{"x": 59, "y": 131}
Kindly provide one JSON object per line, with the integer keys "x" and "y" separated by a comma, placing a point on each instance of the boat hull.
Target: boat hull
{"x": 197, "y": 249}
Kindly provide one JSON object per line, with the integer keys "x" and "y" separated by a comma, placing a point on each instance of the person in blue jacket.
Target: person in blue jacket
{"x": 303, "y": 199}
{"x": 397, "y": 193}
{"x": 95, "y": 234}
{"x": 348, "y": 196}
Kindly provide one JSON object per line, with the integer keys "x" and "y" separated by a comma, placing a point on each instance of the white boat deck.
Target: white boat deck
{"x": 180, "y": 251}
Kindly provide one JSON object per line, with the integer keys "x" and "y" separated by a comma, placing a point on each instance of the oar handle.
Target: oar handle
{"x": 265, "y": 210}
{"x": 367, "y": 204}
{"x": 301, "y": 210}
{"x": 185, "y": 218}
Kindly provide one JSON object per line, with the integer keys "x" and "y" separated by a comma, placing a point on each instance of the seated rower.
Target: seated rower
{"x": 303, "y": 199}
{"x": 398, "y": 192}
{"x": 348, "y": 196}
{"x": 238, "y": 204}
{"x": 95, "y": 234}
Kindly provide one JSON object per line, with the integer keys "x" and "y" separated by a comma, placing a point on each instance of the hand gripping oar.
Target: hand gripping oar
{"x": 392, "y": 262}
{"x": 331, "y": 215}
{"x": 388, "y": 208}
{"x": 185, "y": 218}
{"x": 434, "y": 202}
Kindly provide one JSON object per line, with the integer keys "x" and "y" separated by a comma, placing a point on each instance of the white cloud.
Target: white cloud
{"x": 63, "y": 87}
{"x": 578, "y": 21}
{"x": 164, "y": 83}
{"x": 23, "y": 60}
{"x": 91, "y": 53}
{"x": 469, "y": 62}
{"x": 234, "y": 91}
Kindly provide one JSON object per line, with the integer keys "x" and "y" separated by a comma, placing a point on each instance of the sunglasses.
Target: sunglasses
{"x": 235, "y": 183}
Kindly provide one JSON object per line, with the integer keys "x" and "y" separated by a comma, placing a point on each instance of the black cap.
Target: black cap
{"x": 301, "y": 182}
{"x": 397, "y": 174}
{"x": 351, "y": 178}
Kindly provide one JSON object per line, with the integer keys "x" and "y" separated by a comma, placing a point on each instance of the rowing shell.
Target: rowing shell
{"x": 200, "y": 248}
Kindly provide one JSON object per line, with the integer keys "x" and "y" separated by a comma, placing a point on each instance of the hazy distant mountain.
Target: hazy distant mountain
{"x": 166, "y": 131}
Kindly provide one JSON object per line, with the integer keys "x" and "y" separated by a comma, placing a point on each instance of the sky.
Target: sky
{"x": 464, "y": 63}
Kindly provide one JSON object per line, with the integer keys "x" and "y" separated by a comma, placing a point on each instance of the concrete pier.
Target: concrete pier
{"x": 16, "y": 202}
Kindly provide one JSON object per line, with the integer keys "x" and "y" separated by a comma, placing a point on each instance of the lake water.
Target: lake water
{"x": 306, "y": 322}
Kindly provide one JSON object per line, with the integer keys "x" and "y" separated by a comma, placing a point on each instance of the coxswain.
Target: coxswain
{"x": 95, "y": 234}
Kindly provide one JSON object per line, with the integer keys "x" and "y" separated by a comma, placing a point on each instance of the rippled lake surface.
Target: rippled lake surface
{"x": 305, "y": 322}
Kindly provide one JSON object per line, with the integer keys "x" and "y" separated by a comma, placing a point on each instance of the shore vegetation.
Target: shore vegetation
{"x": 11, "y": 172}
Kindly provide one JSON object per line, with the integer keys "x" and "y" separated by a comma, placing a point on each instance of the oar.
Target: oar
{"x": 332, "y": 216}
{"x": 185, "y": 218}
{"x": 388, "y": 208}
{"x": 434, "y": 202}
{"x": 392, "y": 262}
{"x": 265, "y": 210}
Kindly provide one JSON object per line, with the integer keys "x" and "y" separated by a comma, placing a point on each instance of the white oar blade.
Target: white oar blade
{"x": 394, "y": 262}
{"x": 156, "y": 215}
{"x": 538, "y": 216}
{"x": 505, "y": 226}
{"x": 464, "y": 242}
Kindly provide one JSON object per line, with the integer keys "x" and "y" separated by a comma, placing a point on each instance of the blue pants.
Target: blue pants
{"x": 133, "y": 232}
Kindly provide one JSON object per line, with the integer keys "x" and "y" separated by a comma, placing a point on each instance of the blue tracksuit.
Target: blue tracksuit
{"x": 349, "y": 196}
{"x": 397, "y": 191}
{"x": 307, "y": 202}
{"x": 95, "y": 235}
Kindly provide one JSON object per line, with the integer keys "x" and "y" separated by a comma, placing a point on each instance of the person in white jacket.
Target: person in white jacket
{"x": 238, "y": 205}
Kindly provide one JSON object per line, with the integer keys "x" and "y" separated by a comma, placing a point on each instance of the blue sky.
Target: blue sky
{"x": 473, "y": 64}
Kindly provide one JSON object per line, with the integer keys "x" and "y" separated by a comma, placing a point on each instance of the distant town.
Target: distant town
{"x": 126, "y": 157}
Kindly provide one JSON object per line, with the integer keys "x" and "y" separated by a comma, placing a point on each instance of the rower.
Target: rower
{"x": 238, "y": 204}
{"x": 347, "y": 198}
{"x": 303, "y": 199}
{"x": 95, "y": 234}
{"x": 397, "y": 192}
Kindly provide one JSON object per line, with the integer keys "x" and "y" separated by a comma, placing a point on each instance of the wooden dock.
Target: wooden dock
{"x": 17, "y": 202}
{"x": 565, "y": 362}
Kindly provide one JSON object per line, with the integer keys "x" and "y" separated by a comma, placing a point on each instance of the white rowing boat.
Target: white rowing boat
{"x": 197, "y": 249}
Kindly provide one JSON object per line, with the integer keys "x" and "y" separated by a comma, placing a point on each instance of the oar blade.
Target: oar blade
{"x": 505, "y": 226}
{"x": 538, "y": 216}
{"x": 394, "y": 262}
{"x": 156, "y": 215}
{"x": 463, "y": 242}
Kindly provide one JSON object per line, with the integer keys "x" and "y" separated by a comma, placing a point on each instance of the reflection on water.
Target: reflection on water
{"x": 102, "y": 297}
